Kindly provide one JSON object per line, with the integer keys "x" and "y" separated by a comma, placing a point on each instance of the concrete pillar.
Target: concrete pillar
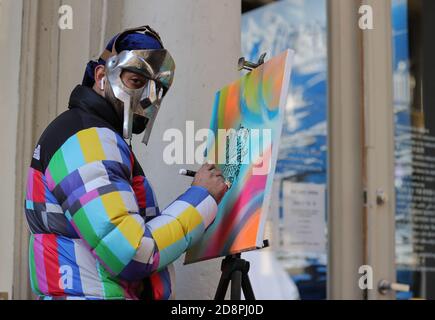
{"x": 10, "y": 41}
{"x": 345, "y": 208}
{"x": 204, "y": 39}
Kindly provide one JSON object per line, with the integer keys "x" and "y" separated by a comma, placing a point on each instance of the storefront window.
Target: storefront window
{"x": 414, "y": 102}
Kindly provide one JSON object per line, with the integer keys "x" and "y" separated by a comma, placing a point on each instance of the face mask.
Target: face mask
{"x": 157, "y": 66}
{"x": 139, "y": 106}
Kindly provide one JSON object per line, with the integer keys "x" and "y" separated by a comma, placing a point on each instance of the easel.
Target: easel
{"x": 234, "y": 268}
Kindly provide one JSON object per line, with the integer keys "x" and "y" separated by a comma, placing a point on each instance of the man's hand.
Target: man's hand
{"x": 211, "y": 178}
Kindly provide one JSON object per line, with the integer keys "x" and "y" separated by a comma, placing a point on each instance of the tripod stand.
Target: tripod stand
{"x": 235, "y": 270}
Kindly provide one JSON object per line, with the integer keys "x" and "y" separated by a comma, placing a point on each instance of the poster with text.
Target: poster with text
{"x": 304, "y": 218}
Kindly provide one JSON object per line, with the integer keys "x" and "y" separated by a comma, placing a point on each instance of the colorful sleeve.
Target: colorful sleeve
{"x": 182, "y": 223}
{"x": 91, "y": 176}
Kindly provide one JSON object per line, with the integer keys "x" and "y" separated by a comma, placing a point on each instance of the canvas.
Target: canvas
{"x": 246, "y": 124}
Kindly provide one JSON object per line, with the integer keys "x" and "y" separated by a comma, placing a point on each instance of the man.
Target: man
{"x": 97, "y": 231}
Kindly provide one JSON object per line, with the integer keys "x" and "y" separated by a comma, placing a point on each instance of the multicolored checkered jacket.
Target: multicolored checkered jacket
{"x": 96, "y": 229}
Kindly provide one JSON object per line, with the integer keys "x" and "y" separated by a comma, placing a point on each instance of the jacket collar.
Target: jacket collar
{"x": 87, "y": 100}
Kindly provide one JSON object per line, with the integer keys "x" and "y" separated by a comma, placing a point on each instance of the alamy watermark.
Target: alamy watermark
{"x": 365, "y": 282}
{"x": 365, "y": 21}
{"x": 65, "y": 21}
{"x": 240, "y": 146}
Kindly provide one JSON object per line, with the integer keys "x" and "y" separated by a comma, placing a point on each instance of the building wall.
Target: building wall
{"x": 10, "y": 41}
{"x": 204, "y": 39}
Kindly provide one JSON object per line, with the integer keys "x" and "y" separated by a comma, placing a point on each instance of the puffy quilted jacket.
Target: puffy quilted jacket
{"x": 96, "y": 229}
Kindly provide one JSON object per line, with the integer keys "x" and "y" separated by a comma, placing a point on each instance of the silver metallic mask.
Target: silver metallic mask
{"x": 158, "y": 67}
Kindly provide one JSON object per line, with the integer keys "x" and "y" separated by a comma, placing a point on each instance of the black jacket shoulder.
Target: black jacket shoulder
{"x": 86, "y": 110}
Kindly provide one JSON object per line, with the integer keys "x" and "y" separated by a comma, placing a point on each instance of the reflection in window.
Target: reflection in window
{"x": 414, "y": 102}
